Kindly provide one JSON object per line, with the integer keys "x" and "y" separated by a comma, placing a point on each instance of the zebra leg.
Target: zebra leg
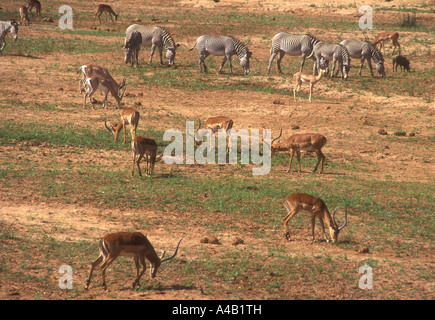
{"x": 302, "y": 62}
{"x": 271, "y": 60}
{"x": 161, "y": 53}
{"x": 369, "y": 62}
{"x": 222, "y": 65}
{"x": 278, "y": 61}
{"x": 153, "y": 48}
{"x": 3, "y": 46}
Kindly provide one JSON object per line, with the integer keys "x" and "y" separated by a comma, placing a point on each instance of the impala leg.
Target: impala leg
{"x": 313, "y": 223}
{"x": 104, "y": 266}
{"x": 138, "y": 166}
{"x": 124, "y": 132}
{"x": 298, "y": 155}
{"x": 291, "y": 159}
{"x": 134, "y": 161}
{"x": 320, "y": 157}
{"x": 323, "y": 229}
{"x": 142, "y": 261}
{"x": 311, "y": 91}
{"x": 287, "y": 218}
{"x": 93, "y": 266}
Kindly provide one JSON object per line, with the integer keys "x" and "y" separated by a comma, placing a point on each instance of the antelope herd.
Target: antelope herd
{"x": 96, "y": 78}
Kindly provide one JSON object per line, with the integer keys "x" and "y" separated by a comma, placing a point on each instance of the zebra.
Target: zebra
{"x": 132, "y": 46}
{"x": 155, "y": 37}
{"x": 334, "y": 52}
{"x": 5, "y": 27}
{"x": 222, "y": 46}
{"x": 291, "y": 44}
{"x": 365, "y": 51}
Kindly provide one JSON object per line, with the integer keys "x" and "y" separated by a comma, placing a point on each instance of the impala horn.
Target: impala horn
{"x": 175, "y": 253}
{"x": 105, "y": 123}
{"x": 280, "y": 134}
{"x": 345, "y": 219}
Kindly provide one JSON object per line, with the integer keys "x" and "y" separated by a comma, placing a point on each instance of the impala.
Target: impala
{"x": 24, "y": 15}
{"x": 91, "y": 70}
{"x": 145, "y": 148}
{"x": 128, "y": 244}
{"x": 34, "y": 4}
{"x": 300, "y": 77}
{"x": 387, "y": 36}
{"x": 108, "y": 10}
{"x": 310, "y": 142}
{"x": 94, "y": 83}
{"x": 130, "y": 118}
{"x": 214, "y": 124}
{"x": 297, "y": 202}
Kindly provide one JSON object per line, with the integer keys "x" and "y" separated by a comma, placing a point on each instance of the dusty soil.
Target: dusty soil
{"x": 34, "y": 78}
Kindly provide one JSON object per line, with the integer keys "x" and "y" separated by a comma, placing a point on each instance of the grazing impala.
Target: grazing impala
{"x": 214, "y": 124}
{"x": 305, "y": 141}
{"x": 24, "y": 15}
{"x": 297, "y": 202}
{"x": 145, "y": 148}
{"x": 91, "y": 70}
{"x": 300, "y": 77}
{"x": 34, "y": 4}
{"x": 94, "y": 83}
{"x": 108, "y": 10}
{"x": 387, "y": 36}
{"x": 128, "y": 244}
{"x": 130, "y": 118}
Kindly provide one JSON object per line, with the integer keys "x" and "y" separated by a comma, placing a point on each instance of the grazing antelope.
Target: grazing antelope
{"x": 145, "y": 148}
{"x": 300, "y": 77}
{"x": 387, "y": 36}
{"x": 128, "y": 244}
{"x": 34, "y": 4}
{"x": 305, "y": 141}
{"x": 94, "y": 83}
{"x": 214, "y": 124}
{"x": 108, "y": 10}
{"x": 130, "y": 118}
{"x": 91, "y": 70}
{"x": 297, "y": 202}
{"x": 24, "y": 15}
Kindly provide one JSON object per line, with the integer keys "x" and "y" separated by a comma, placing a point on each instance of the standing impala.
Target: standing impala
{"x": 305, "y": 141}
{"x": 297, "y": 202}
{"x": 145, "y": 148}
{"x": 300, "y": 77}
{"x": 94, "y": 83}
{"x": 130, "y": 118}
{"x": 387, "y": 36}
{"x": 108, "y": 10}
{"x": 128, "y": 244}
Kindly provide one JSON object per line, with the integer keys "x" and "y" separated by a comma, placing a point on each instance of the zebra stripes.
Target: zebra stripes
{"x": 5, "y": 27}
{"x": 335, "y": 52}
{"x": 365, "y": 51}
{"x": 222, "y": 46}
{"x": 293, "y": 45}
{"x": 155, "y": 37}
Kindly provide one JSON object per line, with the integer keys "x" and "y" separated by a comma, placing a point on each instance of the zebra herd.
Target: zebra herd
{"x": 304, "y": 45}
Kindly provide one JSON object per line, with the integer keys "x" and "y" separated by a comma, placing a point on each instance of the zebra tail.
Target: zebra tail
{"x": 192, "y": 47}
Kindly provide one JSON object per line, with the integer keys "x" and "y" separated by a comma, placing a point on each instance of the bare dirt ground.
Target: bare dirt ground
{"x": 50, "y": 78}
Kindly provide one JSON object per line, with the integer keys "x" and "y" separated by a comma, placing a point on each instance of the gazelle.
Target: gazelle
{"x": 297, "y": 202}
{"x": 387, "y": 36}
{"x": 108, "y": 10}
{"x": 34, "y": 4}
{"x": 94, "y": 83}
{"x": 145, "y": 148}
{"x": 130, "y": 118}
{"x": 300, "y": 77}
{"x": 214, "y": 124}
{"x": 128, "y": 244}
{"x": 24, "y": 15}
{"x": 296, "y": 143}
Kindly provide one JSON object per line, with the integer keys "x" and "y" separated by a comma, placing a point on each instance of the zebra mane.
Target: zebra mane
{"x": 168, "y": 42}
{"x": 375, "y": 53}
{"x": 344, "y": 54}
{"x": 240, "y": 48}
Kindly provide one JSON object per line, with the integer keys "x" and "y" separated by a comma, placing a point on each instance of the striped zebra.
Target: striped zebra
{"x": 5, "y": 27}
{"x": 293, "y": 45}
{"x": 334, "y": 52}
{"x": 222, "y": 46}
{"x": 365, "y": 51}
{"x": 155, "y": 37}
